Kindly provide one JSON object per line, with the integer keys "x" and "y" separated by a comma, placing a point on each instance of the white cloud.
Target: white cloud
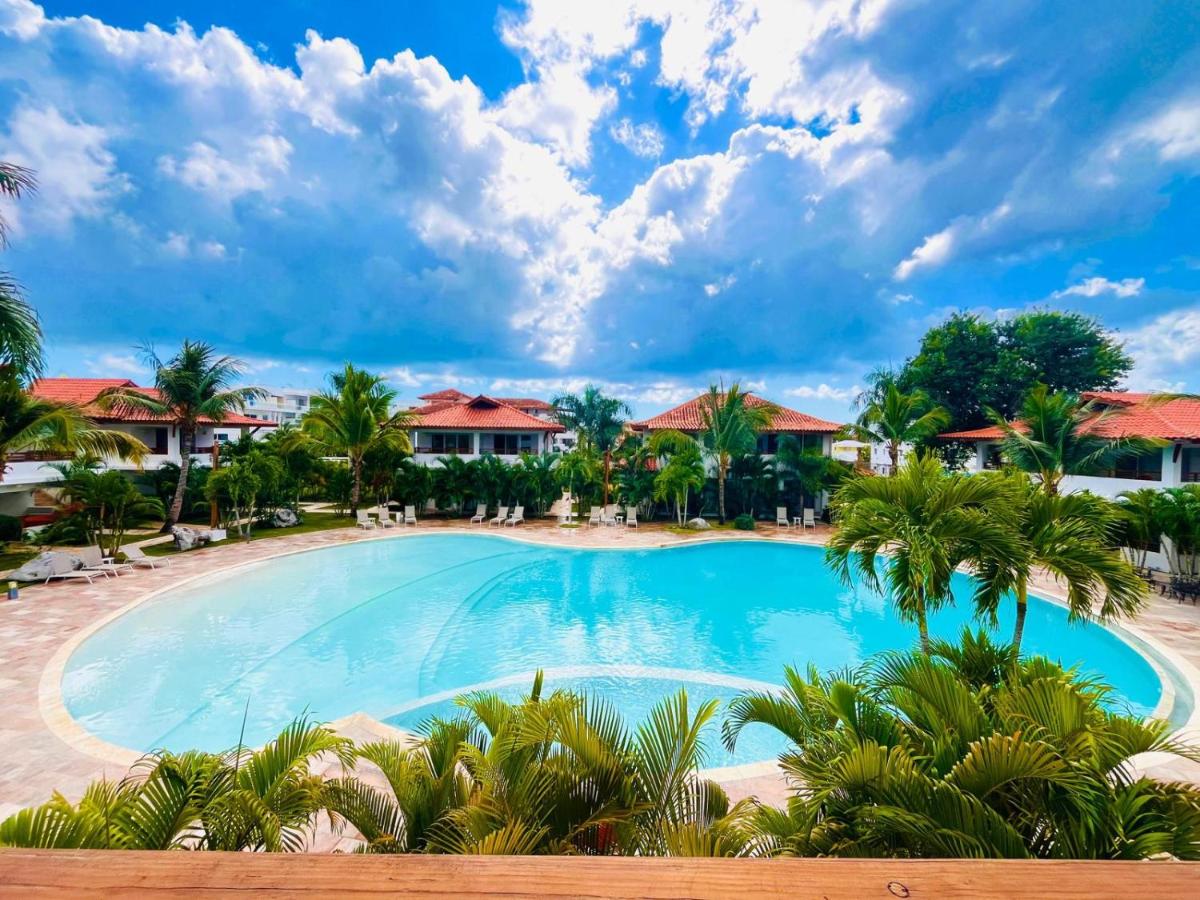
{"x": 643, "y": 140}
{"x": 824, "y": 391}
{"x": 934, "y": 250}
{"x": 204, "y": 169}
{"x": 183, "y": 246}
{"x": 116, "y": 365}
{"x": 21, "y": 18}
{"x": 1174, "y": 132}
{"x": 723, "y": 284}
{"x": 1097, "y": 286}
{"x": 1165, "y": 350}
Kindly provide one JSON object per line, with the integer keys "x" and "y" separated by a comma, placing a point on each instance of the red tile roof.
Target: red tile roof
{"x": 448, "y": 395}
{"x": 1131, "y": 416}
{"x": 480, "y": 414}
{"x": 526, "y": 403}
{"x": 687, "y": 417}
{"x": 84, "y": 391}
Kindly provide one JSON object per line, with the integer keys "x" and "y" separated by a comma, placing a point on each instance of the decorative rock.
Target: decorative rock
{"x": 188, "y": 538}
{"x": 40, "y": 567}
{"x": 284, "y": 518}
{"x": 698, "y": 524}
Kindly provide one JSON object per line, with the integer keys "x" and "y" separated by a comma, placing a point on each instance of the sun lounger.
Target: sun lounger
{"x": 810, "y": 519}
{"x": 517, "y": 517}
{"x": 93, "y": 561}
{"x": 385, "y": 519}
{"x": 410, "y": 515}
{"x": 480, "y": 514}
{"x": 364, "y": 520}
{"x": 136, "y": 556}
{"x": 64, "y": 567}
{"x": 631, "y": 517}
{"x": 595, "y": 517}
{"x": 501, "y": 518}
{"x": 781, "y": 517}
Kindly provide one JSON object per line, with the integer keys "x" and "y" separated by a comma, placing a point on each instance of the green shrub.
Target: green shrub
{"x": 10, "y": 528}
{"x": 744, "y": 522}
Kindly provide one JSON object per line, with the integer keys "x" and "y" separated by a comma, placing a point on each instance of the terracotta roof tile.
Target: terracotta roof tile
{"x": 1133, "y": 416}
{"x": 84, "y": 391}
{"x": 449, "y": 394}
{"x": 526, "y": 403}
{"x": 687, "y": 417}
{"x": 481, "y": 414}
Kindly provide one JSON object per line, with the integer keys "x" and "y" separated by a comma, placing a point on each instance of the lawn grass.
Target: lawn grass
{"x": 15, "y": 555}
{"x": 313, "y": 521}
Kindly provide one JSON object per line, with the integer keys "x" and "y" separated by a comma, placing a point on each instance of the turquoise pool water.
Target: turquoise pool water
{"x": 396, "y": 628}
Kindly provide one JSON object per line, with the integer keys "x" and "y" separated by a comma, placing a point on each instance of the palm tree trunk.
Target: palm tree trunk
{"x": 894, "y": 456}
{"x": 185, "y": 465}
{"x": 721, "y": 470}
{"x": 356, "y": 484}
{"x": 607, "y": 469}
{"x": 923, "y": 623}
{"x": 1022, "y": 609}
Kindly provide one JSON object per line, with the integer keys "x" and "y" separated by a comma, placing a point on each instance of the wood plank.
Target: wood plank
{"x": 112, "y": 875}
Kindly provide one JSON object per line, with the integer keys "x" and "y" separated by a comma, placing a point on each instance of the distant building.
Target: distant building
{"x": 281, "y": 406}
{"x": 452, "y": 423}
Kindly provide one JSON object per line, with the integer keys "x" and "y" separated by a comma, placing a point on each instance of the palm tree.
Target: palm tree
{"x": 808, "y": 469}
{"x": 1072, "y": 536}
{"x": 353, "y": 417}
{"x": 107, "y": 502}
{"x": 598, "y": 420}
{"x": 1139, "y": 511}
{"x": 579, "y": 469}
{"x": 968, "y": 753}
{"x": 917, "y": 528}
{"x": 192, "y": 386}
{"x": 534, "y": 480}
{"x": 731, "y": 423}
{"x": 683, "y": 471}
{"x": 20, "y": 331}
{"x": 894, "y": 418}
{"x": 29, "y": 424}
{"x": 1057, "y": 434}
{"x": 1178, "y": 518}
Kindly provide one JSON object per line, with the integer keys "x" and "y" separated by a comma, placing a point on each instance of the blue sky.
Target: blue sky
{"x": 518, "y": 198}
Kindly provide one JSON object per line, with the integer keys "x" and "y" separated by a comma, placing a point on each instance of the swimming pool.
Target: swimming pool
{"x": 395, "y": 628}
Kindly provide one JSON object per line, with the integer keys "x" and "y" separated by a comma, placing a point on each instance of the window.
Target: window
{"x": 447, "y": 443}
{"x": 505, "y": 444}
{"x": 1140, "y": 467}
{"x": 1191, "y": 464}
{"x": 768, "y": 443}
{"x": 992, "y": 458}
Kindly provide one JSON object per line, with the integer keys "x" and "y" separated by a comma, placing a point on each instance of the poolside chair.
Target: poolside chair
{"x": 810, "y": 519}
{"x": 595, "y": 517}
{"x": 136, "y": 556}
{"x": 63, "y": 567}
{"x": 608, "y": 515}
{"x": 410, "y": 515}
{"x": 93, "y": 561}
{"x": 781, "y": 517}
{"x": 364, "y": 520}
{"x": 502, "y": 516}
{"x": 480, "y": 514}
{"x": 517, "y": 517}
{"x": 385, "y": 518}
{"x": 631, "y": 517}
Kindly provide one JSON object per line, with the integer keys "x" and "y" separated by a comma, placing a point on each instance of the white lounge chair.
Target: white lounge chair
{"x": 810, "y": 519}
{"x": 781, "y": 517}
{"x": 480, "y": 514}
{"x": 410, "y": 515}
{"x": 596, "y": 516}
{"x": 608, "y": 515}
{"x": 631, "y": 517}
{"x": 517, "y": 517}
{"x": 64, "y": 567}
{"x": 95, "y": 562}
{"x": 136, "y": 556}
{"x": 385, "y": 518}
{"x": 501, "y": 518}
{"x": 365, "y": 520}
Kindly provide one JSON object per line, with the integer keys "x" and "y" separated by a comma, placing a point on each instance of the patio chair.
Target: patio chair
{"x": 94, "y": 561}
{"x": 63, "y": 567}
{"x": 364, "y": 520}
{"x": 410, "y": 515}
{"x": 810, "y": 519}
{"x": 136, "y": 556}
{"x": 385, "y": 518}
{"x": 631, "y": 517}
{"x": 480, "y": 514}
{"x": 501, "y": 517}
{"x": 608, "y": 515}
{"x": 781, "y": 517}
{"x": 517, "y": 517}
{"x": 595, "y": 516}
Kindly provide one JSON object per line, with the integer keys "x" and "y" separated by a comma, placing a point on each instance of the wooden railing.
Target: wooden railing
{"x": 116, "y": 874}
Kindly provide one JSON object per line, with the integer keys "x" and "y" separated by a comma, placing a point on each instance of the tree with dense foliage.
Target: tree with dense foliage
{"x": 917, "y": 529}
{"x": 681, "y": 469}
{"x": 730, "y": 425}
{"x": 581, "y": 473}
{"x": 1071, "y": 536}
{"x": 1178, "y": 520}
{"x": 1055, "y": 435}
{"x": 966, "y": 752}
{"x": 895, "y": 418}
{"x": 635, "y": 475}
{"x": 353, "y": 417}
{"x": 1139, "y": 513}
{"x": 535, "y": 481}
{"x": 193, "y": 385}
{"x": 106, "y": 504}
{"x": 413, "y": 483}
{"x": 599, "y": 422}
{"x": 806, "y": 471}
{"x": 20, "y": 332}
{"x": 235, "y": 489}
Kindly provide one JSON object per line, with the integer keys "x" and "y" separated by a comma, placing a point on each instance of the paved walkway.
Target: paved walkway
{"x": 32, "y": 629}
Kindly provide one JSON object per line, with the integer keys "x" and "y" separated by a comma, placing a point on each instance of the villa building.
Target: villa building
{"x": 1175, "y": 423}
{"x": 27, "y": 472}
{"x": 452, "y": 423}
{"x": 810, "y": 431}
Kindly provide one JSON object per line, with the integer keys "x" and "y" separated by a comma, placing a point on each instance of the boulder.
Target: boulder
{"x": 189, "y": 538}
{"x": 41, "y": 566}
{"x": 284, "y": 518}
{"x": 698, "y": 524}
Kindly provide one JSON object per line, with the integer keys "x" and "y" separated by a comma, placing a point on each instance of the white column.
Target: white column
{"x": 1172, "y": 468}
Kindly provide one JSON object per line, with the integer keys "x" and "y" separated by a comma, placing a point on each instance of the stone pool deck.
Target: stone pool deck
{"x": 37, "y": 760}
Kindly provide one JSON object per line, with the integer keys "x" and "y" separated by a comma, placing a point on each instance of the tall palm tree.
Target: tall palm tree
{"x": 1072, "y": 536}
{"x": 731, "y": 421}
{"x": 193, "y": 385}
{"x": 810, "y": 470}
{"x": 1056, "y": 435}
{"x": 894, "y": 418}
{"x": 29, "y": 424}
{"x": 917, "y": 528}
{"x": 598, "y": 420}
{"x": 20, "y": 331}
{"x": 355, "y": 416}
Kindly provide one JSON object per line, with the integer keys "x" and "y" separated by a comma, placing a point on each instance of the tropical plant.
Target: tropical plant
{"x": 730, "y": 422}
{"x": 106, "y": 503}
{"x": 193, "y": 386}
{"x": 894, "y": 418}
{"x": 353, "y": 417}
{"x": 535, "y": 481}
{"x": 454, "y": 482}
{"x": 683, "y": 471}
{"x": 807, "y": 473}
{"x": 1057, "y": 434}
{"x": 599, "y": 421}
{"x": 1071, "y": 536}
{"x": 910, "y": 533}
{"x": 294, "y": 451}
{"x": 20, "y": 332}
{"x": 493, "y": 478}
{"x": 635, "y": 475}
{"x": 968, "y": 753}
{"x": 30, "y": 424}
{"x": 235, "y": 489}
{"x": 1178, "y": 518}
{"x": 753, "y": 483}
{"x": 580, "y": 472}
{"x": 413, "y": 483}
{"x": 1140, "y": 513}
{"x": 242, "y": 800}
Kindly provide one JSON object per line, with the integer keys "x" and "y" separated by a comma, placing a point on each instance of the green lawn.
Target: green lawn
{"x": 313, "y": 521}
{"x": 14, "y": 555}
